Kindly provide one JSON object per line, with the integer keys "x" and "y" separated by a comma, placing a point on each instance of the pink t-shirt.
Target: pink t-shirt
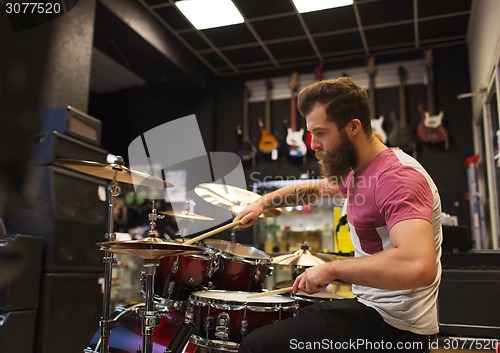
{"x": 393, "y": 188}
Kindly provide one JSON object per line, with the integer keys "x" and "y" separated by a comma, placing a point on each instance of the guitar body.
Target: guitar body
{"x": 430, "y": 128}
{"x": 295, "y": 141}
{"x": 267, "y": 143}
{"x": 402, "y": 136}
{"x": 378, "y": 130}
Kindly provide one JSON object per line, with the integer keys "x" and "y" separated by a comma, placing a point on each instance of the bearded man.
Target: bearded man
{"x": 394, "y": 214}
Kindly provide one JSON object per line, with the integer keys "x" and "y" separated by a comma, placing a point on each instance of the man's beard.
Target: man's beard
{"x": 338, "y": 163}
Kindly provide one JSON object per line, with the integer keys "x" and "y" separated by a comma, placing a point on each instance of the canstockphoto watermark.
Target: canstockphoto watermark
{"x": 354, "y": 345}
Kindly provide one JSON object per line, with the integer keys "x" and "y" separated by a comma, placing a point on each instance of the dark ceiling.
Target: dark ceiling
{"x": 273, "y": 37}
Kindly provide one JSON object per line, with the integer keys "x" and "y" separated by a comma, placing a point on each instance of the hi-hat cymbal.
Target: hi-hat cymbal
{"x": 116, "y": 172}
{"x": 187, "y": 215}
{"x": 302, "y": 257}
{"x": 230, "y": 198}
{"x": 150, "y": 248}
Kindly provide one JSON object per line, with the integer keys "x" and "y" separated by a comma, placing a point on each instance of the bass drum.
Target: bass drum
{"x": 126, "y": 337}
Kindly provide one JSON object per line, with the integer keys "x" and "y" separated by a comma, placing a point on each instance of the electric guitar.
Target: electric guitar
{"x": 246, "y": 147}
{"x": 294, "y": 139}
{"x": 268, "y": 144}
{"x": 318, "y": 74}
{"x": 430, "y": 129}
{"x": 401, "y": 134}
{"x": 376, "y": 123}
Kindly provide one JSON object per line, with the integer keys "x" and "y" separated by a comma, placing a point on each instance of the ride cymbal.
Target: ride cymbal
{"x": 231, "y": 198}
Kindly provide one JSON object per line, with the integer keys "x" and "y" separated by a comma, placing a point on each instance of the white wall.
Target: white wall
{"x": 484, "y": 45}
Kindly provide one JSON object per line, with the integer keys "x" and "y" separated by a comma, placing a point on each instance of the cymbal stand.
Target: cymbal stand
{"x": 185, "y": 224}
{"x": 114, "y": 190}
{"x": 150, "y": 316}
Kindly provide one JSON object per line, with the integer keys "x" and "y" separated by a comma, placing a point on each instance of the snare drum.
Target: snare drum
{"x": 223, "y": 318}
{"x": 126, "y": 336}
{"x": 239, "y": 267}
{"x": 336, "y": 290}
{"x": 178, "y": 276}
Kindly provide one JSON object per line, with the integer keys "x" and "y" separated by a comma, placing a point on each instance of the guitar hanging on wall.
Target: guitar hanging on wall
{"x": 376, "y": 123}
{"x": 430, "y": 128}
{"x": 318, "y": 75}
{"x": 294, "y": 139}
{"x": 268, "y": 144}
{"x": 246, "y": 147}
{"x": 401, "y": 134}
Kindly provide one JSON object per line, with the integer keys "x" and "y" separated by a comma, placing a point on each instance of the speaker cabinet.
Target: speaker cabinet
{"x": 21, "y": 293}
{"x": 71, "y": 306}
{"x": 469, "y": 295}
{"x": 17, "y": 331}
{"x": 69, "y": 210}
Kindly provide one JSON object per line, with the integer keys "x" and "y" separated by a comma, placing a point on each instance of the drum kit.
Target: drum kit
{"x": 206, "y": 296}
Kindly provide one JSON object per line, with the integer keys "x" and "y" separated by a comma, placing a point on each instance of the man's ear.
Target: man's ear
{"x": 355, "y": 127}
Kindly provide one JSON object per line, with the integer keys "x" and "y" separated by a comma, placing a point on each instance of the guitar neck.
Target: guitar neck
{"x": 402, "y": 104}
{"x": 267, "y": 120}
{"x": 293, "y": 111}
{"x": 246, "y": 136}
{"x": 430, "y": 91}
{"x": 371, "y": 93}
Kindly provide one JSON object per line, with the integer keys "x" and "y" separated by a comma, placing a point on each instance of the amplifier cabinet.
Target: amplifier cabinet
{"x": 69, "y": 210}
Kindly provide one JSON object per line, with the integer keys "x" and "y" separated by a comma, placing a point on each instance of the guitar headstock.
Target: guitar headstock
{"x": 318, "y": 72}
{"x": 294, "y": 81}
{"x": 428, "y": 60}
{"x": 371, "y": 69}
{"x": 402, "y": 73}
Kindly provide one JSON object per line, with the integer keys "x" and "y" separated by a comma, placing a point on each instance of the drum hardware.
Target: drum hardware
{"x": 115, "y": 172}
{"x": 151, "y": 249}
{"x": 186, "y": 218}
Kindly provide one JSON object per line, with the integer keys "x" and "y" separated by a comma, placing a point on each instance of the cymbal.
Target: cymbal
{"x": 302, "y": 257}
{"x": 116, "y": 172}
{"x": 230, "y": 198}
{"x": 187, "y": 215}
{"x": 150, "y": 248}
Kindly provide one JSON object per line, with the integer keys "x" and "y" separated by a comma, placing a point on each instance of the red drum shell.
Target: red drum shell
{"x": 239, "y": 267}
{"x": 178, "y": 276}
{"x": 126, "y": 336}
{"x": 240, "y": 316}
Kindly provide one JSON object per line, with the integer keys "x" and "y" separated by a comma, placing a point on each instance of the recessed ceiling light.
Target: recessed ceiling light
{"x": 316, "y": 5}
{"x": 205, "y": 14}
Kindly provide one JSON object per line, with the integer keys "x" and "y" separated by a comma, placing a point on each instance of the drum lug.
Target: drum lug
{"x": 244, "y": 327}
{"x": 170, "y": 289}
{"x": 189, "y": 316}
{"x": 270, "y": 271}
{"x": 207, "y": 322}
{"x": 175, "y": 265}
{"x": 222, "y": 328}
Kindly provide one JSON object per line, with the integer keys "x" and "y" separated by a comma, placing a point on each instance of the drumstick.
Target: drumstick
{"x": 212, "y": 232}
{"x": 271, "y": 292}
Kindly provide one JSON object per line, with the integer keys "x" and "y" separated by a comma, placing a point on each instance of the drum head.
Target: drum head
{"x": 238, "y": 250}
{"x": 238, "y": 298}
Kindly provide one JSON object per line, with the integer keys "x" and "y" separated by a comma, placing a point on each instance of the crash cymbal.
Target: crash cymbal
{"x": 302, "y": 257}
{"x": 187, "y": 215}
{"x": 230, "y": 198}
{"x": 150, "y": 248}
{"x": 115, "y": 171}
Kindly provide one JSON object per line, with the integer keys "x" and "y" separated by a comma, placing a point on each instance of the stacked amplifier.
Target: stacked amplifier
{"x": 69, "y": 210}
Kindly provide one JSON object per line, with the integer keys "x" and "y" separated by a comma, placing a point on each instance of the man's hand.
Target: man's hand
{"x": 314, "y": 279}
{"x": 249, "y": 214}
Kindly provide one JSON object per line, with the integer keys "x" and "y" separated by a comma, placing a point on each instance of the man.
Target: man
{"x": 394, "y": 215}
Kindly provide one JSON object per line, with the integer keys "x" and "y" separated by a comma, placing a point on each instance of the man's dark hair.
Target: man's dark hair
{"x": 344, "y": 100}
